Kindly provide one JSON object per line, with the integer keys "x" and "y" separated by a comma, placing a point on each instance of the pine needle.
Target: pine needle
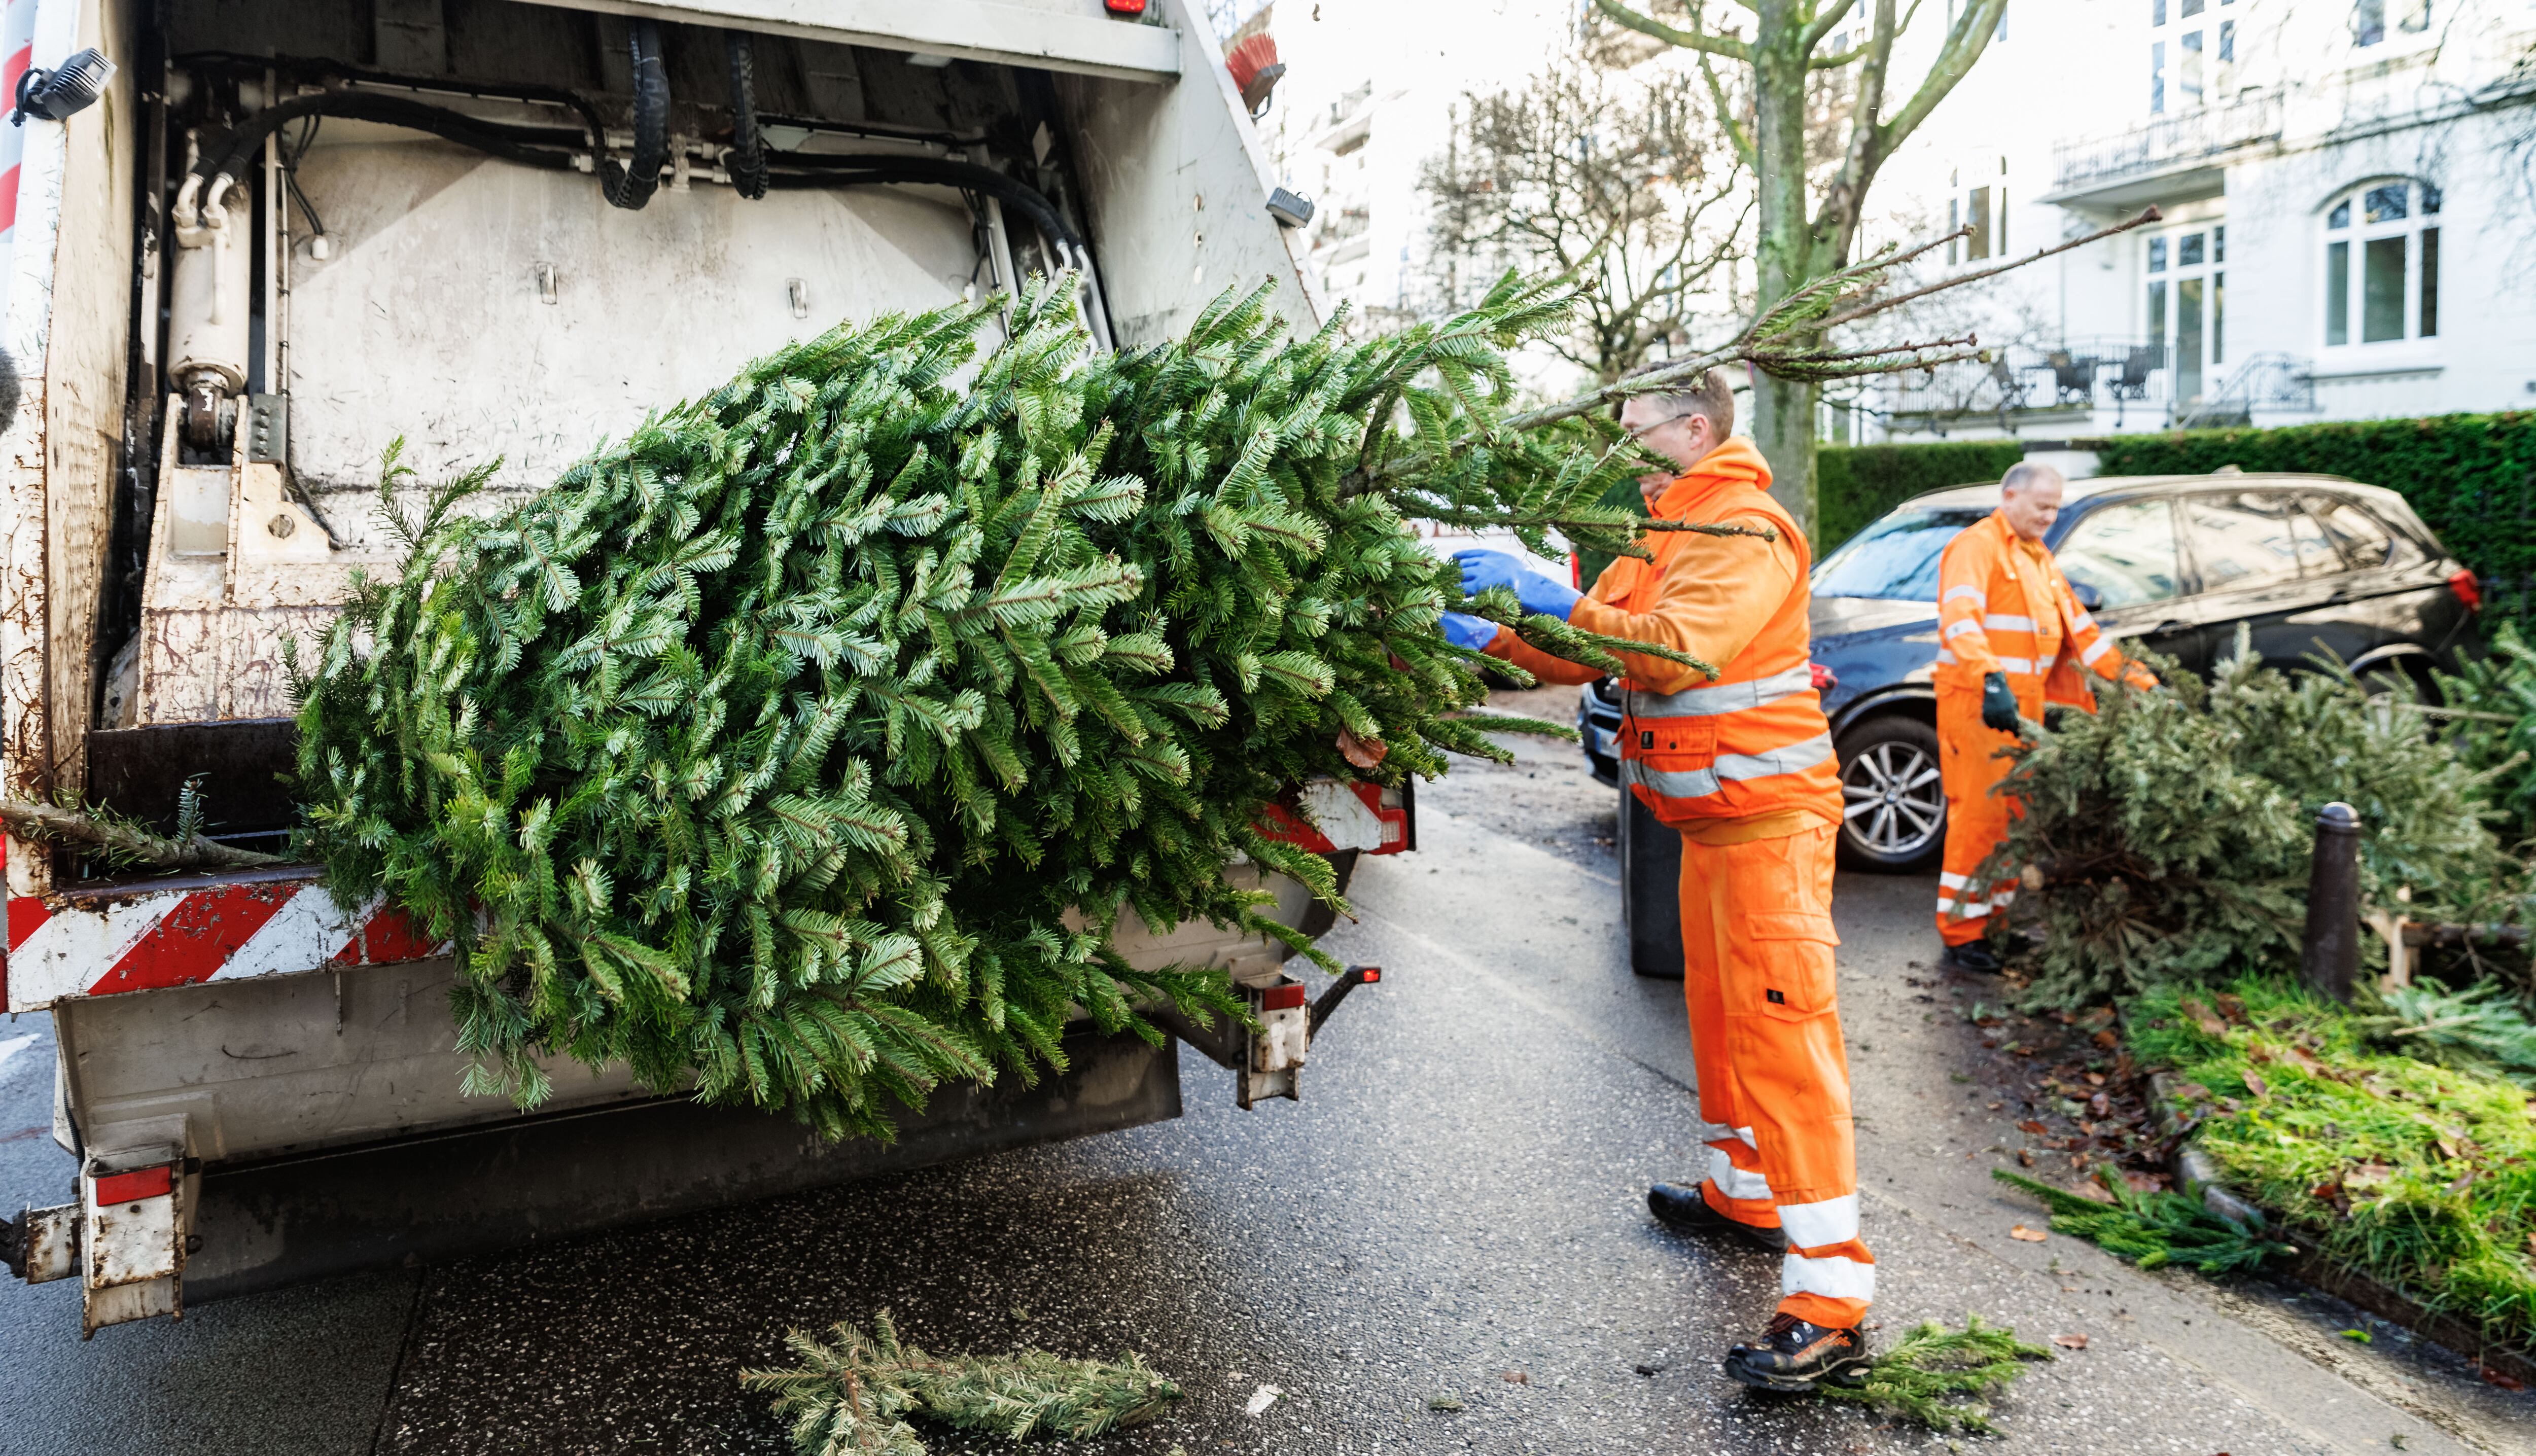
{"x": 2151, "y": 1229}
{"x": 851, "y": 1393}
{"x": 1938, "y": 1377}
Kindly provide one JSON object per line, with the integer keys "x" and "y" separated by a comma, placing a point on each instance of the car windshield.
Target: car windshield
{"x": 1895, "y": 558}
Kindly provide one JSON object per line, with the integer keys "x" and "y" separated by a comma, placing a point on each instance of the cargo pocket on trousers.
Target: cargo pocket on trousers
{"x": 1795, "y": 950}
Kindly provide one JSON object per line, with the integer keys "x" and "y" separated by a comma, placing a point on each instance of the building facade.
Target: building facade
{"x": 2347, "y": 189}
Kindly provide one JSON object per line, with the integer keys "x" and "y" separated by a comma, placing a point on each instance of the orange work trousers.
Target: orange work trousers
{"x": 1969, "y": 768}
{"x": 1758, "y": 942}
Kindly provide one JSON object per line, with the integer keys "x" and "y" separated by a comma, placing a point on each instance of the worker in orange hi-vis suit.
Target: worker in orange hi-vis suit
{"x": 2012, "y": 637}
{"x": 1741, "y": 763}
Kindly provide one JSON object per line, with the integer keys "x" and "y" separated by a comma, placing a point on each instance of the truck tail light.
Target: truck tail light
{"x": 1825, "y": 679}
{"x": 2467, "y": 589}
{"x": 1285, "y": 997}
{"x": 1125, "y": 7}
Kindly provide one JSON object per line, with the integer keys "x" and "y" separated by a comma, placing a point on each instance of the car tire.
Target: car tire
{"x": 1893, "y": 753}
{"x": 1650, "y": 890}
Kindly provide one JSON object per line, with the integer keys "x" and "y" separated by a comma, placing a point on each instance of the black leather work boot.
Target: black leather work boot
{"x": 1975, "y": 957}
{"x": 1680, "y": 1206}
{"x": 1793, "y": 1357}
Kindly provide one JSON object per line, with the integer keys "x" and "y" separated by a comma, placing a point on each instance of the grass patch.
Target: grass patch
{"x": 2421, "y": 1176}
{"x": 1938, "y": 1377}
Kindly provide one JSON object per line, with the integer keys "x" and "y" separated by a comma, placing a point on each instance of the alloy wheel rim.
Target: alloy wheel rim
{"x": 1895, "y": 804}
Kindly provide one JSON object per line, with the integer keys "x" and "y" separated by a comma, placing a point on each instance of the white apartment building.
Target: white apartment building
{"x": 1371, "y": 94}
{"x": 2348, "y": 188}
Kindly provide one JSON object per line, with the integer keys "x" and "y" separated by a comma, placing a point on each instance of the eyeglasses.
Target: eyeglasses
{"x": 1642, "y": 431}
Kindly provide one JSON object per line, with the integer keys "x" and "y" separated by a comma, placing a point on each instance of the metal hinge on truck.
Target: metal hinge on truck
{"x": 125, "y": 1239}
{"x": 1267, "y": 1062}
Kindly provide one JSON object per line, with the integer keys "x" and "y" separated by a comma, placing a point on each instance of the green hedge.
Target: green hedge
{"x": 1859, "y": 482}
{"x": 2471, "y": 477}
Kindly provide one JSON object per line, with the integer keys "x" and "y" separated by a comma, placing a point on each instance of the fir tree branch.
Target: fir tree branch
{"x": 125, "y": 840}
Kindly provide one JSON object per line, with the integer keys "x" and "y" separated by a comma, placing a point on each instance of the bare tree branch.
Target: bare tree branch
{"x": 1964, "y": 45}
{"x": 1724, "y": 46}
{"x": 2145, "y": 215}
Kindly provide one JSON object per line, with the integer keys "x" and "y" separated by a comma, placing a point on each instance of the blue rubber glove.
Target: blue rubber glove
{"x": 1465, "y": 630}
{"x": 1547, "y": 596}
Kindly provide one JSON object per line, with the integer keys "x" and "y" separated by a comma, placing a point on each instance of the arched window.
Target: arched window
{"x": 2382, "y": 264}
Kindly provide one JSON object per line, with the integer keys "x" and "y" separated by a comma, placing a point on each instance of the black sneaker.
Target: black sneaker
{"x": 1976, "y": 958}
{"x": 1793, "y": 1357}
{"x": 1678, "y": 1207}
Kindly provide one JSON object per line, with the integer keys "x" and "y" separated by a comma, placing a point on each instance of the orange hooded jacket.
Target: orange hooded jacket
{"x": 1743, "y": 755}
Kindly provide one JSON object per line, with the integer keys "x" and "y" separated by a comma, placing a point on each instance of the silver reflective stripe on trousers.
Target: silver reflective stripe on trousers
{"x": 1724, "y": 697}
{"x": 1701, "y": 782}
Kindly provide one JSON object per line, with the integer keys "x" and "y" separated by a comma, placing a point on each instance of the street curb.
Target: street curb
{"x": 2196, "y": 1170}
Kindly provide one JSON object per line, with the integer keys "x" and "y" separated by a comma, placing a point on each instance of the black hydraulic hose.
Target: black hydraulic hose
{"x": 824, "y": 169}
{"x": 537, "y": 147}
{"x": 748, "y": 165}
{"x": 631, "y": 186}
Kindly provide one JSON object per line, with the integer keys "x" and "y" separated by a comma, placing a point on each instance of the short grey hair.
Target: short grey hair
{"x": 2027, "y": 473}
{"x": 1711, "y": 395}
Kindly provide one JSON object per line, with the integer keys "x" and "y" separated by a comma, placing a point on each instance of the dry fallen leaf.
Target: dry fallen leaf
{"x": 2029, "y": 1236}
{"x": 2030, "y": 1126}
{"x": 1514, "y": 1377}
{"x": 1365, "y": 753}
{"x": 2255, "y": 1083}
{"x": 2025, "y": 1157}
{"x": 2200, "y": 1015}
{"x": 2070, "y": 1342}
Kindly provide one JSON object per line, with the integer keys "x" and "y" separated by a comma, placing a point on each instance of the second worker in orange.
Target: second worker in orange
{"x": 2012, "y": 637}
{"x": 1743, "y": 765}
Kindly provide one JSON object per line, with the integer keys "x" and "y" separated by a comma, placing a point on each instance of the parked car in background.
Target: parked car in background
{"x": 2310, "y": 564}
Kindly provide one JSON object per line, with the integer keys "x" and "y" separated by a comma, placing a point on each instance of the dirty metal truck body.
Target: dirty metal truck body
{"x": 290, "y": 230}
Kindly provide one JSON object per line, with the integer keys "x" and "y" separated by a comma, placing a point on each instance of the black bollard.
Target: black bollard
{"x": 2330, "y": 955}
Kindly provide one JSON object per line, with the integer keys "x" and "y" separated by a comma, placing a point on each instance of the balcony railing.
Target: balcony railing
{"x": 2170, "y": 141}
{"x": 2120, "y": 374}
{"x": 2023, "y": 385}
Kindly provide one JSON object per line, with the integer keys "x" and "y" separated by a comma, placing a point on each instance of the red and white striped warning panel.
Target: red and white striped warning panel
{"x": 68, "y": 946}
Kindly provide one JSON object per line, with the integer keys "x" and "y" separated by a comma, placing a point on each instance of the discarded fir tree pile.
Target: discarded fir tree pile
{"x": 805, "y": 748}
{"x": 2168, "y": 837}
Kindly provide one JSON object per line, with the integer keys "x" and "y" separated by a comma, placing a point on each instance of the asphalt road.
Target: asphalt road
{"x": 1453, "y": 1215}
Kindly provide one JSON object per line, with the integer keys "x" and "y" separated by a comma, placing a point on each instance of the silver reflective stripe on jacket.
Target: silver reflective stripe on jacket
{"x": 1701, "y": 782}
{"x": 1724, "y": 697}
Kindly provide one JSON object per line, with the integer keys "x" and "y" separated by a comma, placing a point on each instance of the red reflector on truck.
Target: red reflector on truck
{"x": 2467, "y": 589}
{"x": 128, "y": 1187}
{"x": 1280, "y": 997}
{"x": 1373, "y": 973}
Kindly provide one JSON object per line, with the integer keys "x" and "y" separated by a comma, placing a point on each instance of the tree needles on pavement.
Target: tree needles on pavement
{"x": 850, "y": 1394}
{"x": 2151, "y": 1229}
{"x": 1938, "y": 1377}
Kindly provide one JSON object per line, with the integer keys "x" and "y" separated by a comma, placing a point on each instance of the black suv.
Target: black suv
{"x": 2312, "y": 563}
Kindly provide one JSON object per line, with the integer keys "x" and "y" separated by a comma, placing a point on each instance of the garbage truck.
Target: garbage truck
{"x": 255, "y": 241}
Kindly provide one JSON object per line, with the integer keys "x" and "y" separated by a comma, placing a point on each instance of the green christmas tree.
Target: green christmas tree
{"x": 807, "y": 747}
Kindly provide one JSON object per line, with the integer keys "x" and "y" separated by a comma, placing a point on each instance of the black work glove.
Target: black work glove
{"x": 1998, "y": 705}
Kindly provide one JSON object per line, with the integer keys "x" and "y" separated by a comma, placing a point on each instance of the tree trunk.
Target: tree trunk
{"x": 1788, "y": 254}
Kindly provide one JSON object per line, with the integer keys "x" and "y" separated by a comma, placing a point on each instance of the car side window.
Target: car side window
{"x": 2248, "y": 539}
{"x": 2126, "y": 551}
{"x": 2363, "y": 541}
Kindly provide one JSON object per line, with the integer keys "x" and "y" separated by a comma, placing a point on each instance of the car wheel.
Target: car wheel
{"x": 1893, "y": 814}
{"x": 1650, "y": 890}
